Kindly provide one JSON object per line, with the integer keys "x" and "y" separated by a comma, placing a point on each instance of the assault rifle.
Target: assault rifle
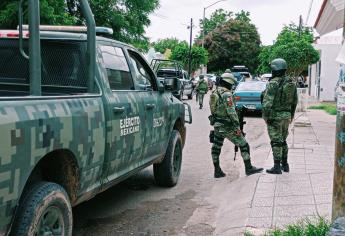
{"x": 240, "y": 113}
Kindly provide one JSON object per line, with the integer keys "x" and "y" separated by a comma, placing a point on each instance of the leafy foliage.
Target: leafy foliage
{"x": 294, "y": 46}
{"x": 235, "y": 42}
{"x": 217, "y": 18}
{"x": 163, "y": 44}
{"x": 51, "y": 13}
{"x": 317, "y": 227}
{"x": 181, "y": 53}
{"x": 128, "y": 18}
{"x": 329, "y": 108}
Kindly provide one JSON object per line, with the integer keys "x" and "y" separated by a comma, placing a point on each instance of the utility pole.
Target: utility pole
{"x": 300, "y": 26}
{"x": 203, "y": 28}
{"x": 190, "y": 47}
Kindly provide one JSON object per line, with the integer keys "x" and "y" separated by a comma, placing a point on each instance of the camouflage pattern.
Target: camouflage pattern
{"x": 201, "y": 88}
{"x": 278, "y": 109}
{"x": 237, "y": 138}
{"x": 280, "y": 99}
{"x": 105, "y": 144}
{"x": 278, "y": 131}
{"x": 226, "y": 125}
{"x": 34, "y": 128}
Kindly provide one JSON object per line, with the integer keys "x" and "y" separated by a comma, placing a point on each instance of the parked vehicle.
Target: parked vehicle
{"x": 241, "y": 73}
{"x": 77, "y": 117}
{"x": 172, "y": 70}
{"x": 187, "y": 85}
{"x": 248, "y": 95}
{"x": 266, "y": 77}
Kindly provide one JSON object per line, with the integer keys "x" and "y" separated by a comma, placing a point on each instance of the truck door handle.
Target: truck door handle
{"x": 118, "y": 110}
{"x": 150, "y": 106}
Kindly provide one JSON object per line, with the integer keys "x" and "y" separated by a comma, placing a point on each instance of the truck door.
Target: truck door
{"x": 155, "y": 103}
{"x": 126, "y": 124}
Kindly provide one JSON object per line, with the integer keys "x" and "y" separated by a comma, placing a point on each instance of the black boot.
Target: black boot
{"x": 218, "y": 173}
{"x": 276, "y": 169}
{"x": 285, "y": 167}
{"x": 251, "y": 169}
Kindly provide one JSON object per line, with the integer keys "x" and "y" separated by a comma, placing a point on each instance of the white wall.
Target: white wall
{"x": 329, "y": 71}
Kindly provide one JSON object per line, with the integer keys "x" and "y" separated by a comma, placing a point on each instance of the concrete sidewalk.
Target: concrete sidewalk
{"x": 270, "y": 201}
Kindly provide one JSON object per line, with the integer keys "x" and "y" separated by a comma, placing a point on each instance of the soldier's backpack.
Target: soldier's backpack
{"x": 285, "y": 94}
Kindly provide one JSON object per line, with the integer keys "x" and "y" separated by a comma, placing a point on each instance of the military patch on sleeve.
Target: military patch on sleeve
{"x": 230, "y": 102}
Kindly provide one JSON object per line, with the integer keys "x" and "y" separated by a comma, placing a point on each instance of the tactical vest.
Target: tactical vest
{"x": 285, "y": 94}
{"x": 218, "y": 103}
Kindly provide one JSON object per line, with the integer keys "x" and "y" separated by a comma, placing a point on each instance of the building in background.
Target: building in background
{"x": 324, "y": 75}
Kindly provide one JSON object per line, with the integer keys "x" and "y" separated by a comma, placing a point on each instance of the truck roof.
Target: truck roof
{"x": 59, "y": 35}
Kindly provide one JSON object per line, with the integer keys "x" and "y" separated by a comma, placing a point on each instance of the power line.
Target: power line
{"x": 309, "y": 11}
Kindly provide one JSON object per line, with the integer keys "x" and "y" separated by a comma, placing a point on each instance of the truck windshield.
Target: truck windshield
{"x": 64, "y": 68}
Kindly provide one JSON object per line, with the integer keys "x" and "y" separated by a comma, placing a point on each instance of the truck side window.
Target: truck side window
{"x": 143, "y": 77}
{"x": 117, "y": 68}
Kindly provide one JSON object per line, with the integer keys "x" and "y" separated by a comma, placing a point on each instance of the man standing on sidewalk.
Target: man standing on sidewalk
{"x": 201, "y": 89}
{"x": 278, "y": 110}
{"x": 226, "y": 125}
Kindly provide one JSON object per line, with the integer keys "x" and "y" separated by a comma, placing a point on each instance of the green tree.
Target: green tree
{"x": 181, "y": 54}
{"x": 217, "y": 18}
{"x": 128, "y": 18}
{"x": 236, "y": 42}
{"x": 265, "y": 59}
{"x": 295, "y": 46}
{"x": 52, "y": 13}
{"x": 163, "y": 44}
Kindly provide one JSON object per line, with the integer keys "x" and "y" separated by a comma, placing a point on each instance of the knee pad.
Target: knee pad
{"x": 216, "y": 151}
{"x": 245, "y": 148}
{"x": 218, "y": 140}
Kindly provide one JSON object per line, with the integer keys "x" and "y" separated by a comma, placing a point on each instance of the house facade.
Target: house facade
{"x": 324, "y": 75}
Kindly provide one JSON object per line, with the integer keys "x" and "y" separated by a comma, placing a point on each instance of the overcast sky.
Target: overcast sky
{"x": 171, "y": 19}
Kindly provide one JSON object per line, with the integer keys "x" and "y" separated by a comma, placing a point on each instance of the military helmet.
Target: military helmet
{"x": 227, "y": 71}
{"x": 278, "y": 64}
{"x": 229, "y": 78}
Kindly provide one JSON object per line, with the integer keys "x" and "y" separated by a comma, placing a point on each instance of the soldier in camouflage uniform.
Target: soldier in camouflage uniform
{"x": 279, "y": 105}
{"x": 226, "y": 125}
{"x": 201, "y": 88}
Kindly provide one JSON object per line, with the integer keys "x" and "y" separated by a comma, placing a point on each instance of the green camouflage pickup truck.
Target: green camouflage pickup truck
{"x": 70, "y": 142}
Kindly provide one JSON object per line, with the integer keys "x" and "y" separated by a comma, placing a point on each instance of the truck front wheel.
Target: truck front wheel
{"x": 45, "y": 210}
{"x": 168, "y": 171}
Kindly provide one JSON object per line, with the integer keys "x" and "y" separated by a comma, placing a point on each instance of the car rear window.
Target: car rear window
{"x": 251, "y": 86}
{"x": 64, "y": 69}
{"x": 167, "y": 73}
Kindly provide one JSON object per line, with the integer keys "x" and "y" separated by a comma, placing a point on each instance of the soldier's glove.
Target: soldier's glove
{"x": 211, "y": 136}
{"x": 212, "y": 120}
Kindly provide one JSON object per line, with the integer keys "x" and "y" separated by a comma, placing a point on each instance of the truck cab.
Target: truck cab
{"x": 87, "y": 119}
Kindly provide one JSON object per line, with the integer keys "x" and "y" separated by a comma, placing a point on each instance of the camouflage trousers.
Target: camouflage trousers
{"x": 201, "y": 98}
{"x": 221, "y": 133}
{"x": 278, "y": 130}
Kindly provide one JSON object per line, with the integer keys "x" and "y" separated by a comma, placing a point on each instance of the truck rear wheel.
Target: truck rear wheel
{"x": 168, "y": 171}
{"x": 45, "y": 210}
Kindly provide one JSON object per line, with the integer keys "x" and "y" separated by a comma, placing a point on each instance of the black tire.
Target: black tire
{"x": 168, "y": 171}
{"x": 45, "y": 209}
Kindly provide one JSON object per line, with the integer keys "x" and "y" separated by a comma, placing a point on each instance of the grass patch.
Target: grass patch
{"x": 328, "y": 107}
{"x": 307, "y": 227}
